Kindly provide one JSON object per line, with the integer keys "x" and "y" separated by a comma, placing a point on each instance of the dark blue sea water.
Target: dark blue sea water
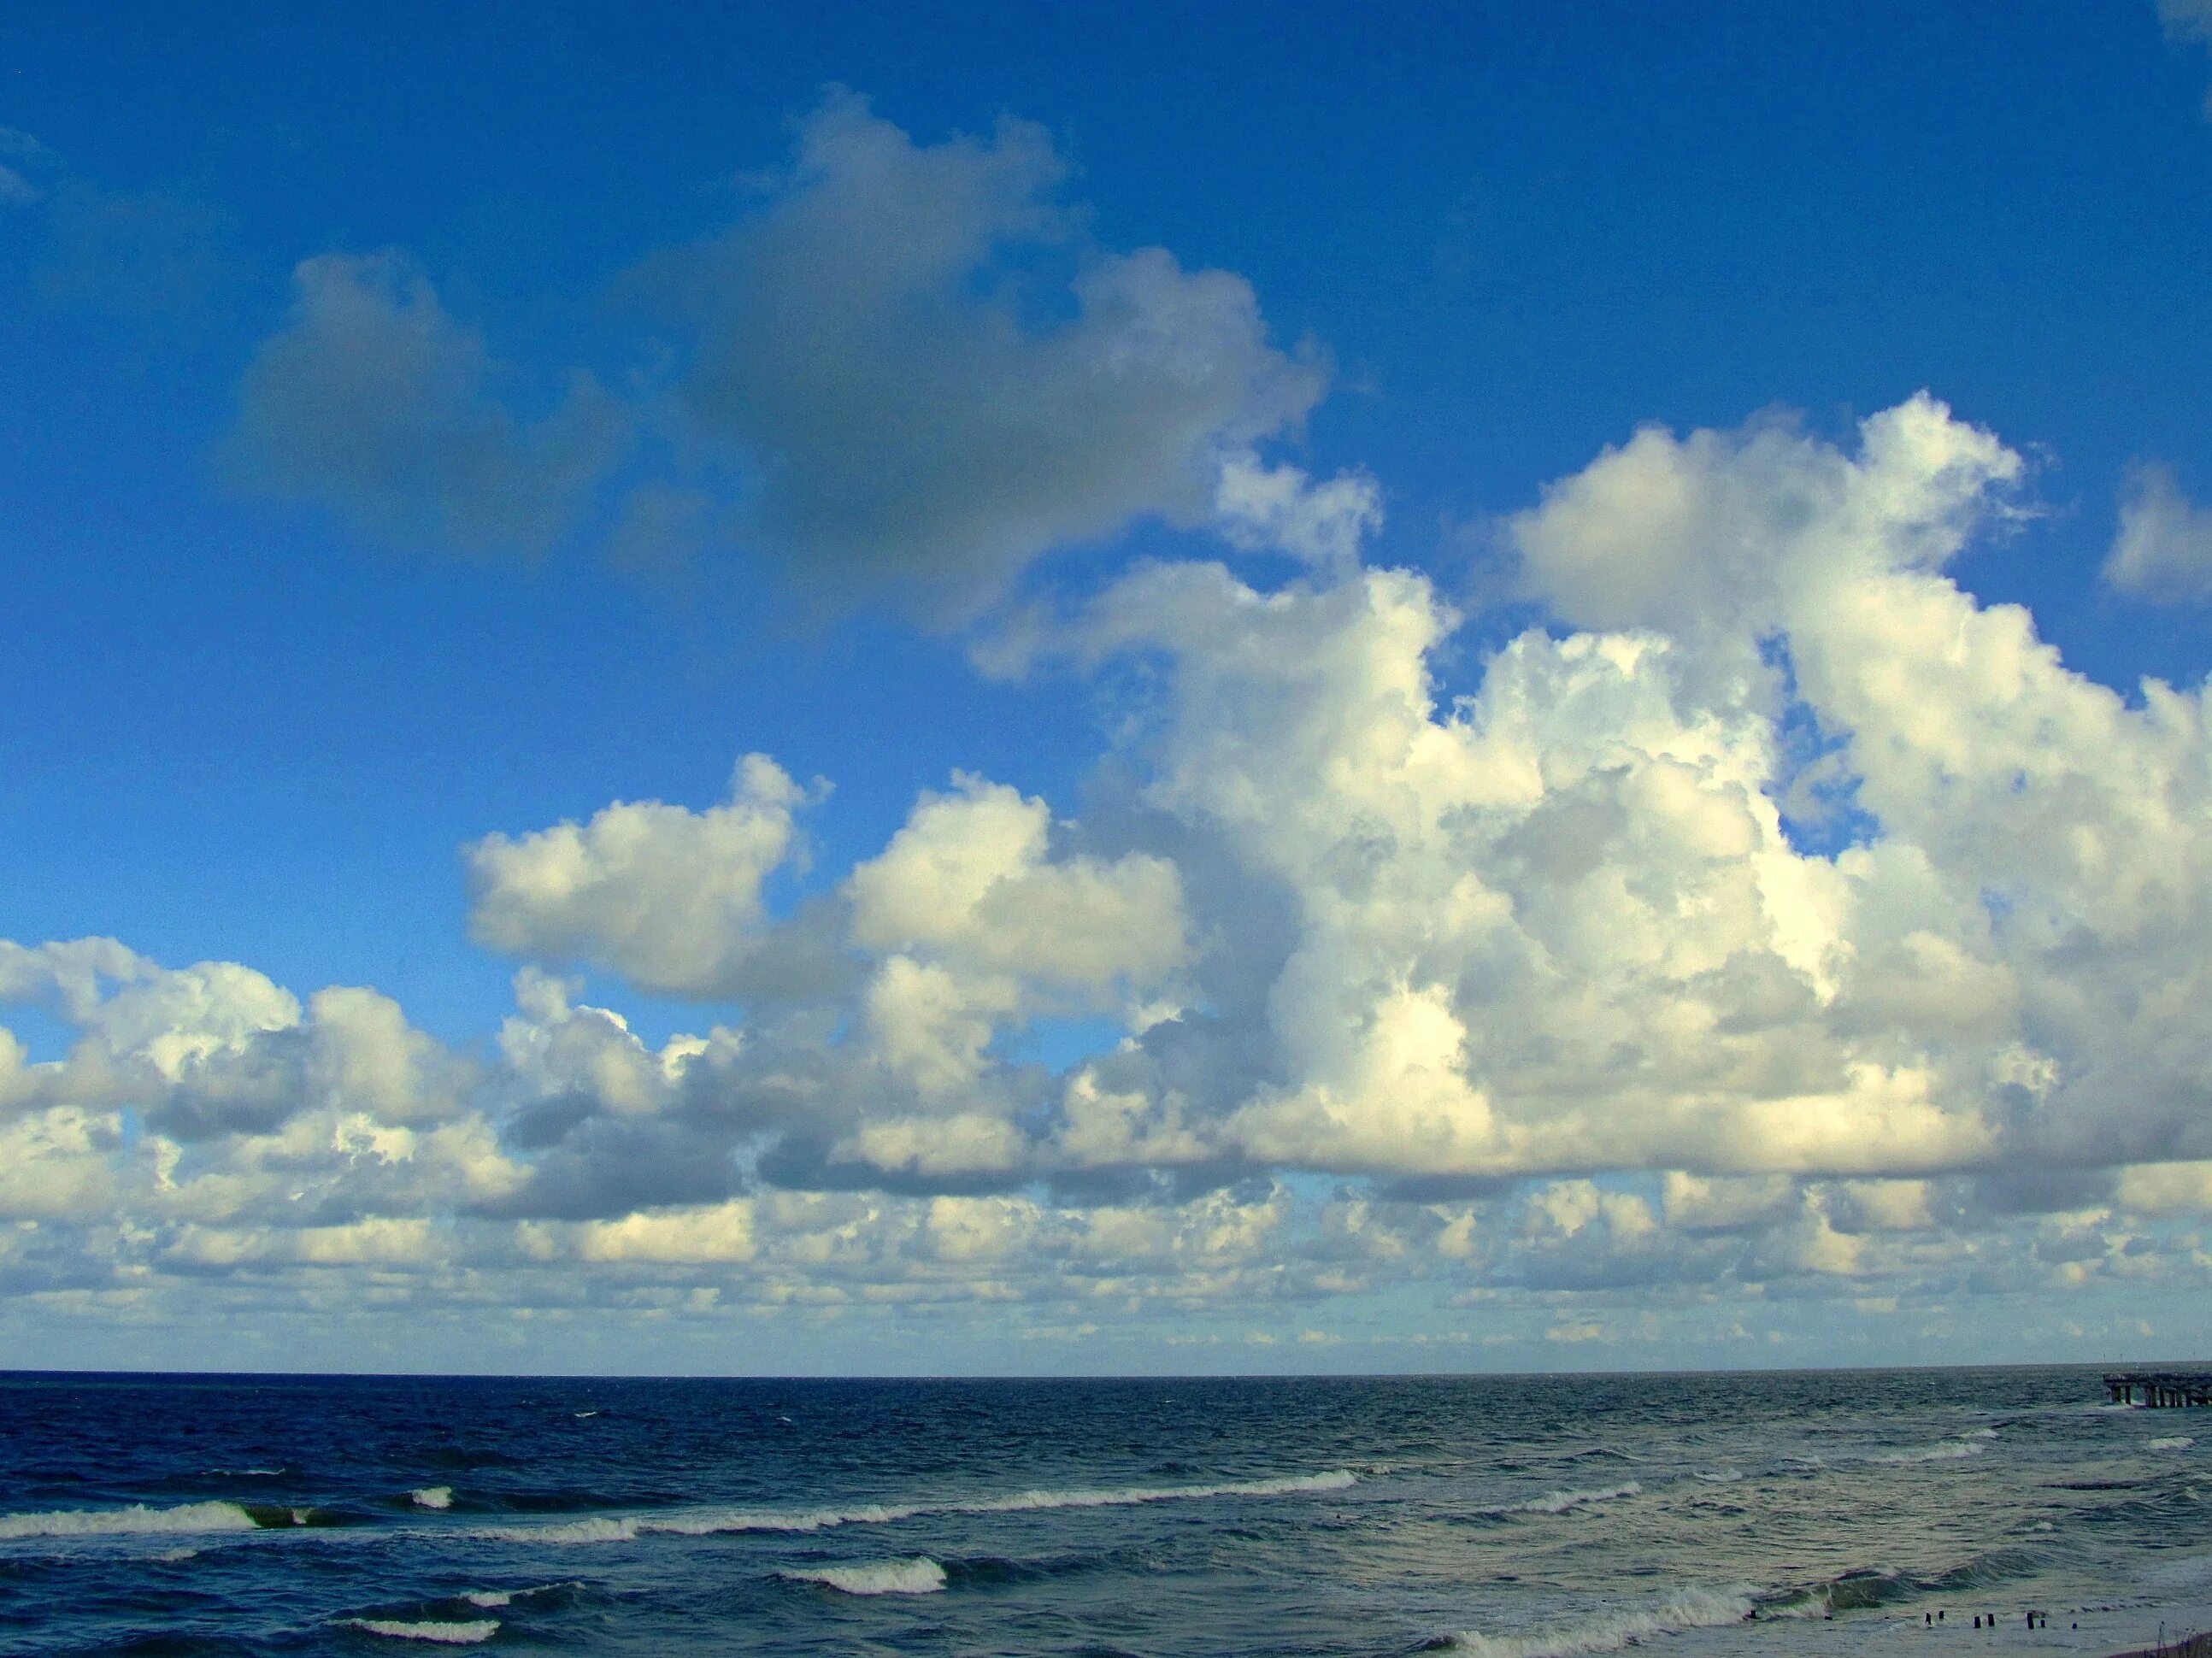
{"x": 1815, "y": 1513}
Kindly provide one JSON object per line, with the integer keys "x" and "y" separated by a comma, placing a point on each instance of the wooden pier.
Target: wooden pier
{"x": 2170, "y": 1389}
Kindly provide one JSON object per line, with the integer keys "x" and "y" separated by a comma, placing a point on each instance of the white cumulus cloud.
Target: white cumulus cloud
{"x": 669, "y": 897}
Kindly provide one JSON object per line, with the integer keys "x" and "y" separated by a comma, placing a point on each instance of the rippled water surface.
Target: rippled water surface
{"x": 1829, "y": 1512}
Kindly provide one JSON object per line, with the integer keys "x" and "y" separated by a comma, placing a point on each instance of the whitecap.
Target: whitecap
{"x": 491, "y": 1599}
{"x": 919, "y": 1576}
{"x": 1560, "y": 1502}
{"x": 1613, "y": 1627}
{"x": 135, "y": 1521}
{"x": 1118, "y": 1496}
{"x": 703, "y": 1522}
{"x": 432, "y": 1496}
{"x": 2171, "y": 1442}
{"x": 453, "y": 1634}
{"x": 1719, "y": 1476}
{"x": 1949, "y": 1451}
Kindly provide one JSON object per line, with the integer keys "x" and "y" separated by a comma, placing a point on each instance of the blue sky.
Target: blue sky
{"x": 1073, "y": 436}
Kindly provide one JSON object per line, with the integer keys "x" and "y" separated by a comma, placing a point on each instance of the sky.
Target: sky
{"x": 1054, "y": 689}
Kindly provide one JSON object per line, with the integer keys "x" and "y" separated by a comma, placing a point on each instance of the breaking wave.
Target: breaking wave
{"x": 1611, "y": 1628}
{"x": 704, "y": 1522}
{"x": 139, "y": 1521}
{"x": 2171, "y": 1442}
{"x": 1118, "y": 1496}
{"x": 1948, "y": 1450}
{"x": 920, "y": 1575}
{"x": 1866, "y": 1589}
{"x": 432, "y": 1496}
{"x": 452, "y": 1634}
{"x": 1560, "y": 1502}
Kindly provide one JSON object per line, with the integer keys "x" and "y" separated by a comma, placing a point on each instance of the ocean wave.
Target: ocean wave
{"x": 595, "y": 1528}
{"x": 1119, "y": 1496}
{"x": 492, "y": 1600}
{"x": 432, "y": 1496}
{"x": 452, "y": 1635}
{"x": 918, "y": 1576}
{"x": 1852, "y": 1591}
{"x": 2170, "y": 1443}
{"x": 137, "y": 1521}
{"x": 1560, "y": 1502}
{"x": 1613, "y": 1627}
{"x": 705, "y": 1522}
{"x": 1718, "y": 1476}
{"x": 1867, "y": 1588}
{"x": 1950, "y": 1450}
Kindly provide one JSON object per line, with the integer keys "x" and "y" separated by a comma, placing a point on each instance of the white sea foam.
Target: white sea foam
{"x": 1979, "y": 1433}
{"x": 452, "y": 1634}
{"x": 1560, "y": 1502}
{"x": 920, "y": 1575}
{"x": 1719, "y": 1476}
{"x": 433, "y": 1497}
{"x": 493, "y": 1599}
{"x": 1118, "y": 1496}
{"x": 119, "y": 1522}
{"x": 2171, "y": 1442}
{"x": 703, "y": 1522}
{"x": 1612, "y": 1627}
{"x": 177, "y": 1557}
{"x": 1950, "y": 1450}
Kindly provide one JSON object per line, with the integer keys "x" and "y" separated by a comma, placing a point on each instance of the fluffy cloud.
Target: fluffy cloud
{"x": 1567, "y": 922}
{"x": 1779, "y": 915}
{"x": 375, "y": 401}
{"x": 2163, "y": 550}
{"x": 969, "y": 881}
{"x": 1259, "y": 507}
{"x": 668, "y": 897}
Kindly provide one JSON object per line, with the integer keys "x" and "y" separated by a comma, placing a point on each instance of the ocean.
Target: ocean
{"x": 1829, "y": 1513}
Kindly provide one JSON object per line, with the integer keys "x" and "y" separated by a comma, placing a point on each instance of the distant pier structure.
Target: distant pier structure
{"x": 2168, "y": 1388}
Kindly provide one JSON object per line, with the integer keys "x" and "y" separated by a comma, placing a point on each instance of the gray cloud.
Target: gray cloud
{"x": 2188, "y": 20}
{"x": 933, "y": 376}
{"x": 375, "y": 401}
{"x": 2163, "y": 549}
{"x": 909, "y": 369}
